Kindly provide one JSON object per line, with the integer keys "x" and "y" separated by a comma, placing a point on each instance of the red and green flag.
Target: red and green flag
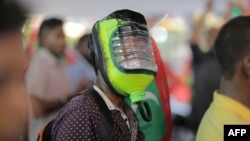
{"x": 160, "y": 127}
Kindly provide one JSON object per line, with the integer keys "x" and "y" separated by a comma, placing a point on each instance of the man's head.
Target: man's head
{"x": 122, "y": 50}
{"x": 13, "y": 104}
{"x": 51, "y": 36}
{"x": 83, "y": 48}
{"x": 232, "y": 48}
{"x": 123, "y": 54}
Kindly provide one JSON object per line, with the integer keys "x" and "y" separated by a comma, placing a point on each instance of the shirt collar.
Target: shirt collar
{"x": 110, "y": 105}
{"x": 228, "y": 103}
{"x": 105, "y": 98}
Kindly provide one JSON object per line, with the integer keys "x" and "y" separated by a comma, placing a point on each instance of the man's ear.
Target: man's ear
{"x": 246, "y": 65}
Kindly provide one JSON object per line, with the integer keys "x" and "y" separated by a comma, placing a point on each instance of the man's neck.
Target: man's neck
{"x": 236, "y": 89}
{"x": 114, "y": 98}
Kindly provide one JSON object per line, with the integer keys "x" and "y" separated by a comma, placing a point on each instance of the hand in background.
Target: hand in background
{"x": 209, "y": 5}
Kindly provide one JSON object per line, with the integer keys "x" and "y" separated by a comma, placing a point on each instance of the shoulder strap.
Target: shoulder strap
{"x": 44, "y": 134}
{"x": 106, "y": 123}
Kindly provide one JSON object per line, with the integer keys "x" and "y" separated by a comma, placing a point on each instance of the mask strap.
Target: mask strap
{"x": 148, "y": 116}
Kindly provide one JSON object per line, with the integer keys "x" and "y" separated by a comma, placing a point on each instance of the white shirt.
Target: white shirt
{"x": 47, "y": 79}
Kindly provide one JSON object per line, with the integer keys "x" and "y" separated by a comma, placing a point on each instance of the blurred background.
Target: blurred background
{"x": 81, "y": 14}
{"x": 184, "y": 31}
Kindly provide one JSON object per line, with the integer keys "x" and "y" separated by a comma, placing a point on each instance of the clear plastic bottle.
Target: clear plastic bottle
{"x": 133, "y": 49}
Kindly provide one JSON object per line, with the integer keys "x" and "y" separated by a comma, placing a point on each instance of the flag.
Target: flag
{"x": 160, "y": 127}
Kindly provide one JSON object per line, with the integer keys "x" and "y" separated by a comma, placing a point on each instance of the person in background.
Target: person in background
{"x": 206, "y": 71}
{"x": 48, "y": 83}
{"x": 231, "y": 102}
{"x": 82, "y": 48}
{"x": 80, "y": 69}
{"x": 13, "y": 99}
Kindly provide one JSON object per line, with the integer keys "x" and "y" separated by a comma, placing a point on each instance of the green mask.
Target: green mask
{"x": 124, "y": 55}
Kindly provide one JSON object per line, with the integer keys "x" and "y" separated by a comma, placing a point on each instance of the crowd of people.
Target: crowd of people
{"x": 114, "y": 84}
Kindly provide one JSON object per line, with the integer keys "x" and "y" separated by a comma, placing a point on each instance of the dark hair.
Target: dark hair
{"x": 128, "y": 15}
{"x": 84, "y": 38}
{"x": 12, "y": 15}
{"x": 49, "y": 24}
{"x": 232, "y": 43}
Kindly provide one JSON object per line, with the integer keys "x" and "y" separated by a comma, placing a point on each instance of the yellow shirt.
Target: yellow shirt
{"x": 223, "y": 110}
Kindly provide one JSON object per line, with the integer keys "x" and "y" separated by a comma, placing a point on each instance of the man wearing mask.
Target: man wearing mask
{"x": 13, "y": 101}
{"x": 231, "y": 102}
{"x": 48, "y": 84}
{"x": 125, "y": 65}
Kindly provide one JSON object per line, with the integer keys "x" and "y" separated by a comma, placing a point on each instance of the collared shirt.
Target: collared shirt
{"x": 110, "y": 105}
{"x": 223, "y": 110}
{"x": 48, "y": 80}
{"x": 80, "y": 120}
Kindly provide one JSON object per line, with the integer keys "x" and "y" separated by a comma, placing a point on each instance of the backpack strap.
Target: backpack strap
{"x": 106, "y": 123}
{"x": 45, "y": 133}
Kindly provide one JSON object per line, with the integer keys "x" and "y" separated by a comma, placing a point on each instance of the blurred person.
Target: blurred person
{"x": 82, "y": 48}
{"x": 211, "y": 25}
{"x": 83, "y": 54}
{"x": 48, "y": 83}
{"x": 80, "y": 69}
{"x": 206, "y": 70}
{"x": 13, "y": 101}
{"x": 231, "y": 102}
{"x": 100, "y": 112}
